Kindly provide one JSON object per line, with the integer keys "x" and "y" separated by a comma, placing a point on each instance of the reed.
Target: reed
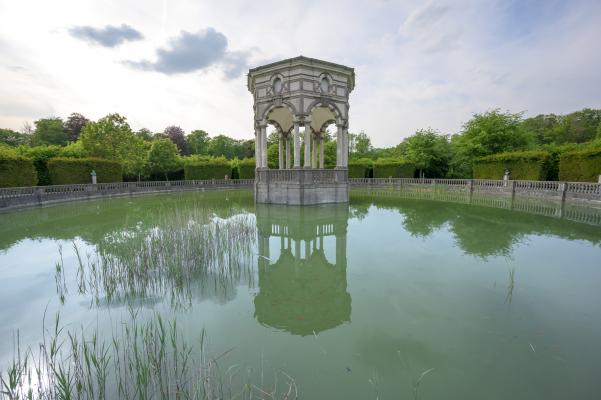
{"x": 141, "y": 360}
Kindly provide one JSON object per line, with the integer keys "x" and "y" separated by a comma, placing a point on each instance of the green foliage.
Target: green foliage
{"x": 429, "y": 151}
{"x": 16, "y": 170}
{"x": 395, "y": 168}
{"x": 272, "y": 156}
{"x": 40, "y": 156}
{"x": 198, "y": 142}
{"x": 163, "y": 157}
{"x": 13, "y": 138}
{"x": 109, "y": 137}
{"x": 207, "y": 168}
{"x": 525, "y": 165}
{"x": 229, "y": 148}
{"x": 66, "y": 171}
{"x": 361, "y": 168}
{"x": 488, "y": 133}
{"x": 49, "y": 131}
{"x": 359, "y": 144}
{"x": 246, "y": 168}
{"x": 580, "y": 166}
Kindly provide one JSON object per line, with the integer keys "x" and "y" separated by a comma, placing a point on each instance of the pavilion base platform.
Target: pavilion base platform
{"x": 301, "y": 186}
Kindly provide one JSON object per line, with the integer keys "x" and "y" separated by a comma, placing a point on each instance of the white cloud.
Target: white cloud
{"x": 417, "y": 65}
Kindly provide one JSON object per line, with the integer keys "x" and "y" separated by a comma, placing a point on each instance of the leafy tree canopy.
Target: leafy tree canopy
{"x": 49, "y": 131}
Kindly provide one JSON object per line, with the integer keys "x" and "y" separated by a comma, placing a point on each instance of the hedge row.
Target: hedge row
{"x": 200, "y": 168}
{"x": 66, "y": 171}
{"x": 385, "y": 168}
{"x": 15, "y": 170}
{"x": 362, "y": 168}
{"x": 522, "y": 165}
{"x": 580, "y": 166}
{"x": 246, "y": 168}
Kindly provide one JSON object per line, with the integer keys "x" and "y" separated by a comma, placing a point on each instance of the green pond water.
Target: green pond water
{"x": 388, "y": 297}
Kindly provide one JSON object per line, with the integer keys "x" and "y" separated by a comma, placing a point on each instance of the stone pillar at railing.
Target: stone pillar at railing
{"x": 264, "y": 146}
{"x": 258, "y": 147}
{"x": 321, "y": 151}
{"x": 339, "y": 146}
{"x": 281, "y": 152}
{"x": 307, "y": 163}
{"x": 288, "y": 151}
{"x": 296, "y": 146}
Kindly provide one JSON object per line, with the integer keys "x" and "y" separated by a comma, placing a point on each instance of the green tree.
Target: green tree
{"x": 136, "y": 163}
{"x": 578, "y": 127}
{"x": 73, "y": 126}
{"x": 144, "y": 134}
{"x": 222, "y": 145}
{"x": 13, "y": 138}
{"x": 110, "y": 137}
{"x": 198, "y": 142}
{"x": 163, "y": 157}
{"x": 429, "y": 151}
{"x": 177, "y": 136}
{"x": 361, "y": 144}
{"x": 487, "y": 133}
{"x": 49, "y": 131}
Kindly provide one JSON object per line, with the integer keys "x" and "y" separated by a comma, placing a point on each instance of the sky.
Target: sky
{"x": 418, "y": 64}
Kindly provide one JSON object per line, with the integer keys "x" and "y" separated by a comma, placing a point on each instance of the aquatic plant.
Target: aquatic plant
{"x": 141, "y": 360}
{"x": 186, "y": 253}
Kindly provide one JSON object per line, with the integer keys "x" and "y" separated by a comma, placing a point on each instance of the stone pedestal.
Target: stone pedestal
{"x": 306, "y": 186}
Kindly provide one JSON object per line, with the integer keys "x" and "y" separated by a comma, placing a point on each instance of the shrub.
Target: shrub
{"x": 361, "y": 168}
{"x": 207, "y": 168}
{"x": 524, "y": 165}
{"x": 395, "y": 168}
{"x": 580, "y": 166}
{"x": 41, "y": 154}
{"x": 65, "y": 171}
{"x": 246, "y": 168}
{"x": 16, "y": 170}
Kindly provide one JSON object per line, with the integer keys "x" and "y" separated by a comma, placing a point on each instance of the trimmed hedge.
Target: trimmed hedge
{"x": 246, "y": 168}
{"x": 360, "y": 168}
{"x": 522, "y": 165}
{"x": 393, "y": 168}
{"x": 66, "y": 171}
{"x": 580, "y": 166}
{"x": 16, "y": 171}
{"x": 207, "y": 168}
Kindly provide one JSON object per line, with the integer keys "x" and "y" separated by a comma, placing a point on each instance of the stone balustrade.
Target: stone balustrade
{"x": 585, "y": 192}
{"x": 42, "y": 195}
{"x": 577, "y": 191}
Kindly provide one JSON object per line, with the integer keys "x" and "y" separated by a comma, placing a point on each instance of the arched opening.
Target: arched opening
{"x": 279, "y": 137}
{"x": 324, "y": 147}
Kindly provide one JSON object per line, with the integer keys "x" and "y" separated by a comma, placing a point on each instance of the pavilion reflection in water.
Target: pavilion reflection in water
{"x": 302, "y": 291}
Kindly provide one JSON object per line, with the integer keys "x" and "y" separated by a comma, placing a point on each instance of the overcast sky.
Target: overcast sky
{"x": 418, "y": 64}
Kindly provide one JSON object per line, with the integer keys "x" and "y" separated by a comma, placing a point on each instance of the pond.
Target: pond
{"x": 211, "y": 295}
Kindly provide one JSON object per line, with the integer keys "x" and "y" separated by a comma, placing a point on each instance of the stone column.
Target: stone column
{"x": 296, "y": 146}
{"x": 339, "y": 146}
{"x": 281, "y": 152}
{"x": 263, "y": 146}
{"x": 321, "y": 150}
{"x": 288, "y": 151}
{"x": 307, "y": 163}
{"x": 313, "y": 151}
{"x": 258, "y": 147}
{"x": 345, "y": 141}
